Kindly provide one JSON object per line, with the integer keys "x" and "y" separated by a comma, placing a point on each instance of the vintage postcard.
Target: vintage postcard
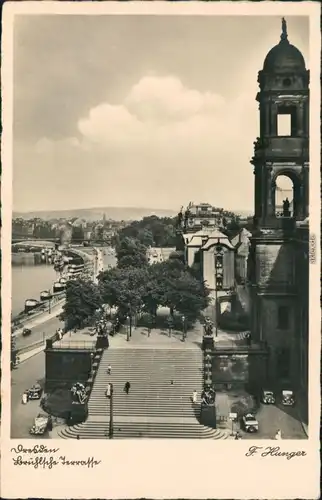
{"x": 160, "y": 250}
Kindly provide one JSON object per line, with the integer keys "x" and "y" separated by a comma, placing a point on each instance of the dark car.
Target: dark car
{"x": 250, "y": 423}
{"x": 35, "y": 392}
{"x": 268, "y": 397}
{"x": 288, "y": 398}
{"x": 26, "y": 332}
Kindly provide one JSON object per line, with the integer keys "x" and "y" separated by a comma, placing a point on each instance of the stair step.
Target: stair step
{"x": 149, "y": 371}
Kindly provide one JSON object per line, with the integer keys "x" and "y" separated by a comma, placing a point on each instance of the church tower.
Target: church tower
{"x": 281, "y": 154}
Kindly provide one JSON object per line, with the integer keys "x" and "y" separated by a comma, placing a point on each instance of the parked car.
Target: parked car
{"x": 288, "y": 398}
{"x": 26, "y": 332}
{"x": 41, "y": 423}
{"x": 268, "y": 397}
{"x": 35, "y": 392}
{"x": 250, "y": 423}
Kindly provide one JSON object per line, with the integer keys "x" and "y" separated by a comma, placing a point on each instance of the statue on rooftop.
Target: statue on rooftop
{"x": 180, "y": 217}
{"x": 286, "y": 208}
{"x": 284, "y": 30}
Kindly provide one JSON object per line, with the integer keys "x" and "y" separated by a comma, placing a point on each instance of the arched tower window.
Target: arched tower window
{"x": 287, "y": 194}
{"x": 284, "y": 196}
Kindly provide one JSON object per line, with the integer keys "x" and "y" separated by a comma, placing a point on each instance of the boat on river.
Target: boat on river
{"x": 31, "y": 304}
{"x": 45, "y": 295}
{"x": 59, "y": 287}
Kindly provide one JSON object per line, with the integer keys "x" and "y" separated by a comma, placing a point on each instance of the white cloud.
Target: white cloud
{"x": 111, "y": 124}
{"x": 162, "y": 99}
{"x": 185, "y": 144}
{"x": 160, "y": 112}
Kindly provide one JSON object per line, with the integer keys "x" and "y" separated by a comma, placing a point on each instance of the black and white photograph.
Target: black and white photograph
{"x": 161, "y": 240}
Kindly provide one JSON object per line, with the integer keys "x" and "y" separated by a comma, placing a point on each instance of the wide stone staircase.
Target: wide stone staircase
{"x": 159, "y": 402}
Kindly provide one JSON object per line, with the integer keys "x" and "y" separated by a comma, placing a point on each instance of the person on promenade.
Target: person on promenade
{"x": 278, "y": 434}
{"x": 24, "y": 399}
{"x": 248, "y": 339}
{"x": 194, "y": 396}
{"x": 109, "y": 370}
{"x": 127, "y": 387}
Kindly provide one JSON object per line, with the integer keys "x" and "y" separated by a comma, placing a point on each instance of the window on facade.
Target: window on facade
{"x": 283, "y": 318}
{"x": 219, "y": 261}
{"x": 219, "y": 283}
{"x": 284, "y": 125}
{"x": 286, "y": 121}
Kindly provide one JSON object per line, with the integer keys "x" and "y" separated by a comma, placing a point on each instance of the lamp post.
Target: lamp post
{"x": 128, "y": 328}
{"x": 219, "y": 253}
{"x": 130, "y": 320}
{"x": 111, "y": 426}
{"x": 49, "y": 303}
{"x": 183, "y": 319}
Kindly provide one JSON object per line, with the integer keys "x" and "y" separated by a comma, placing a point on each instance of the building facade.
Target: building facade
{"x": 278, "y": 264}
{"x": 200, "y": 216}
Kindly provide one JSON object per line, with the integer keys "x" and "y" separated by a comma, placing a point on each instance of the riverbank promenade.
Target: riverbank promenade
{"x": 44, "y": 324}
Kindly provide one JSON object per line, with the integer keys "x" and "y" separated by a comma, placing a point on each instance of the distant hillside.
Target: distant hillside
{"x": 91, "y": 214}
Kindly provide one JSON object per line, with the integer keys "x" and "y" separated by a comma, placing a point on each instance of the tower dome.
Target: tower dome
{"x": 284, "y": 57}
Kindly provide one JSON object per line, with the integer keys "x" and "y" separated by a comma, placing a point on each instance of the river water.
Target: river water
{"x": 29, "y": 279}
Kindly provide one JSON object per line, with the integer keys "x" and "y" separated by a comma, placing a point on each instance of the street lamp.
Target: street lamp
{"x": 218, "y": 265}
{"x": 183, "y": 319}
{"x": 130, "y": 320}
{"x": 49, "y": 303}
{"x": 127, "y": 328}
{"x": 109, "y": 393}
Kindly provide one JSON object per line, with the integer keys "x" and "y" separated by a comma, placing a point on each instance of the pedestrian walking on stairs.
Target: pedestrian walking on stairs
{"x": 127, "y": 387}
{"x": 109, "y": 370}
{"x": 194, "y": 396}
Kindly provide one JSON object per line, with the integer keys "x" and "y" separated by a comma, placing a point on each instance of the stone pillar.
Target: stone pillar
{"x": 273, "y": 120}
{"x": 267, "y": 119}
{"x": 307, "y": 118}
{"x": 273, "y": 192}
{"x": 300, "y": 119}
{"x": 305, "y": 192}
{"x": 269, "y": 193}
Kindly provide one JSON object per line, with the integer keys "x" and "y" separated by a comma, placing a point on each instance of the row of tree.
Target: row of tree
{"x": 145, "y": 289}
{"x": 151, "y": 231}
{"x": 135, "y": 287}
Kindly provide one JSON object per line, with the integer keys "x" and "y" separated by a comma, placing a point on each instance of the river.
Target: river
{"x": 29, "y": 279}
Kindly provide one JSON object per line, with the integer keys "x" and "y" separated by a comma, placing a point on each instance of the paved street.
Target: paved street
{"x": 39, "y": 332}
{"x": 22, "y": 378}
{"x": 270, "y": 418}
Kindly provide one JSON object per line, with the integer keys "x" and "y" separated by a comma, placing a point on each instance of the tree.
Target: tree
{"x": 187, "y": 295}
{"x": 154, "y": 294}
{"x": 83, "y": 298}
{"x": 77, "y": 234}
{"x": 124, "y": 288}
{"x": 152, "y": 231}
{"x": 145, "y": 236}
{"x": 173, "y": 285}
{"x": 234, "y": 224}
{"x": 131, "y": 253}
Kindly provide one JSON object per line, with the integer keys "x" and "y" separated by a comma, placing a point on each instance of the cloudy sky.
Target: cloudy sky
{"x": 138, "y": 111}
